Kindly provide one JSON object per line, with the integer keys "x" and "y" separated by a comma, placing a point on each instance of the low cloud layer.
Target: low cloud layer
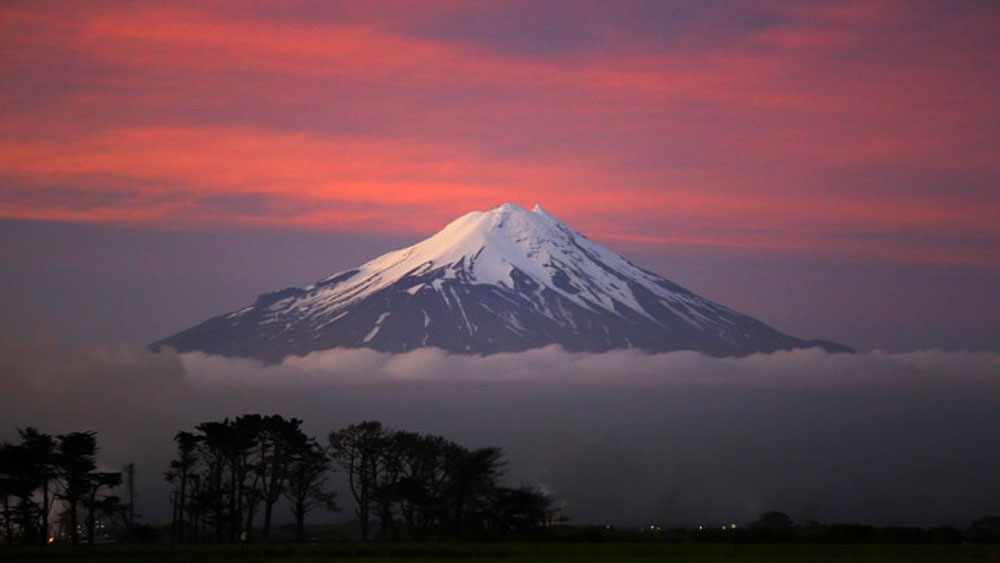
{"x": 622, "y": 437}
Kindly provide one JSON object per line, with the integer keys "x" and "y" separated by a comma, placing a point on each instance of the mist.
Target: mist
{"x": 624, "y": 437}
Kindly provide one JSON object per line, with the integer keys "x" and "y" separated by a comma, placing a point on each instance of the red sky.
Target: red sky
{"x": 838, "y": 131}
{"x": 818, "y": 127}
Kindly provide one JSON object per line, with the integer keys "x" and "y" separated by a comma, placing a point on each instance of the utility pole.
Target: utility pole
{"x": 130, "y": 471}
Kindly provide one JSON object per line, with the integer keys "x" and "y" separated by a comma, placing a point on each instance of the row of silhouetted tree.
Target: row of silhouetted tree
{"x": 420, "y": 485}
{"x": 226, "y": 472}
{"x": 42, "y": 476}
{"x": 229, "y": 474}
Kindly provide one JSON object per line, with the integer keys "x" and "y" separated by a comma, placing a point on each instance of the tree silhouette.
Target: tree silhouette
{"x": 517, "y": 511}
{"x": 6, "y": 488}
{"x": 181, "y": 471}
{"x": 41, "y": 451}
{"x": 428, "y": 483}
{"x": 986, "y": 529}
{"x": 95, "y": 504}
{"x": 356, "y": 450}
{"x": 19, "y": 481}
{"x": 419, "y": 486}
{"x": 39, "y": 470}
{"x": 226, "y": 470}
{"x": 424, "y": 485}
{"x": 210, "y": 497}
{"x": 772, "y": 526}
{"x": 471, "y": 479}
{"x": 278, "y": 439}
{"x": 76, "y": 464}
{"x": 245, "y": 476}
{"x": 305, "y": 489}
{"x": 773, "y": 520}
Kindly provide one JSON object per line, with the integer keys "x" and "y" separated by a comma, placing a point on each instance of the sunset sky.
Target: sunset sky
{"x": 832, "y": 168}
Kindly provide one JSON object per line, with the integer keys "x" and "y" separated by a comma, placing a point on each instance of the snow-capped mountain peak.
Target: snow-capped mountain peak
{"x": 499, "y": 246}
{"x": 499, "y": 280}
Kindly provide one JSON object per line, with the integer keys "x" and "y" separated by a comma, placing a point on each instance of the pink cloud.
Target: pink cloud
{"x": 354, "y": 123}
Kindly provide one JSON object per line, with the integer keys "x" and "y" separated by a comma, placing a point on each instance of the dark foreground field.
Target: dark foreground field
{"x": 509, "y": 552}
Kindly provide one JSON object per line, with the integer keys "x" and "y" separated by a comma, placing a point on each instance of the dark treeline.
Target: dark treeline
{"x": 229, "y": 474}
{"x": 228, "y": 477}
{"x": 778, "y": 527}
{"x": 42, "y": 477}
{"x": 425, "y": 486}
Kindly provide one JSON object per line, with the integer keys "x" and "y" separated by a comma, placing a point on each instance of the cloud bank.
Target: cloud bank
{"x": 622, "y": 437}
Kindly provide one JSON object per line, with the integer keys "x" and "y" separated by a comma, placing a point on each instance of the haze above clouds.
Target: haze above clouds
{"x": 622, "y": 437}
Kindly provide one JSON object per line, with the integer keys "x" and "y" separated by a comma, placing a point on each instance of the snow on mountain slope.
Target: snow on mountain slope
{"x": 507, "y": 279}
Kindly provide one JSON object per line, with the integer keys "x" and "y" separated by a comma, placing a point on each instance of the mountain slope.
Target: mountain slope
{"x": 503, "y": 280}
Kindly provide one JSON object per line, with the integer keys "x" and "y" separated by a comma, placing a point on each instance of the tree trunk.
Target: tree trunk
{"x": 247, "y": 535}
{"x": 300, "y": 521}
{"x": 181, "y": 506}
{"x": 8, "y": 529}
{"x": 457, "y": 515}
{"x": 386, "y": 520}
{"x": 90, "y": 504}
{"x": 219, "y": 511}
{"x": 198, "y": 518}
{"x": 91, "y": 525}
{"x": 173, "y": 517}
{"x": 45, "y": 512}
{"x": 408, "y": 517}
{"x": 266, "y": 532}
{"x": 235, "y": 499}
{"x": 363, "y": 514}
{"x": 74, "y": 534}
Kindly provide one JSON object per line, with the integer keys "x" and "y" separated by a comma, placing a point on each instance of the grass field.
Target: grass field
{"x": 509, "y": 552}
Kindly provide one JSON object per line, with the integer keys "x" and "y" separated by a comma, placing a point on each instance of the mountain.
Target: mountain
{"x": 503, "y": 280}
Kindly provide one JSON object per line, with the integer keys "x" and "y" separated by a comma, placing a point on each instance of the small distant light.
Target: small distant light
{"x": 52, "y": 540}
{"x": 701, "y": 527}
